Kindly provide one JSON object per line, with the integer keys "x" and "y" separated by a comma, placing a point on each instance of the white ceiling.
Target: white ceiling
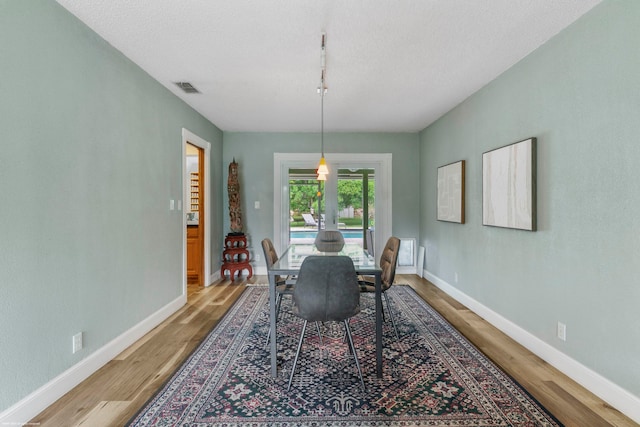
{"x": 392, "y": 65}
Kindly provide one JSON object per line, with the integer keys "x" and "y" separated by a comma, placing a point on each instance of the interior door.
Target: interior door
{"x": 195, "y": 215}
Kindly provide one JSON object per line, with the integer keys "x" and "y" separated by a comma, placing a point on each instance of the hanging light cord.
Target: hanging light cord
{"x": 323, "y": 66}
{"x": 322, "y": 118}
{"x": 322, "y": 89}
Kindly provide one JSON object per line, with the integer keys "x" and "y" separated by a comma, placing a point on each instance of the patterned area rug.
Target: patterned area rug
{"x": 433, "y": 376}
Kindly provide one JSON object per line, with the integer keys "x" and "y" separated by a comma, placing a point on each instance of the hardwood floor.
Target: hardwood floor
{"x": 112, "y": 395}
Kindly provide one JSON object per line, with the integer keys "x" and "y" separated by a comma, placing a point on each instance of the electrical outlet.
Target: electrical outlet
{"x": 257, "y": 257}
{"x": 77, "y": 342}
{"x": 562, "y": 331}
{"x": 455, "y": 277}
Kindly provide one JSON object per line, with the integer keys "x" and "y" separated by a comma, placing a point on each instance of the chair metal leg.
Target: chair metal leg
{"x": 278, "y": 304}
{"x": 319, "y": 333}
{"x": 344, "y": 338}
{"x": 353, "y": 350}
{"x": 393, "y": 320}
{"x": 295, "y": 359}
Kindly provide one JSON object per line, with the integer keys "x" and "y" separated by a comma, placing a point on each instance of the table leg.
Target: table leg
{"x": 272, "y": 320}
{"x": 378, "y": 325}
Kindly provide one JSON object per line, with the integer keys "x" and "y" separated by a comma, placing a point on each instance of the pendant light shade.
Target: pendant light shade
{"x": 322, "y": 167}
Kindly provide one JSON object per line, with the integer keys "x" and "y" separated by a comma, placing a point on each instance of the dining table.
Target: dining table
{"x": 289, "y": 265}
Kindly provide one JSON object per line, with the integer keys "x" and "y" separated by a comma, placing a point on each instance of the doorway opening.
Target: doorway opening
{"x": 194, "y": 210}
{"x": 196, "y": 238}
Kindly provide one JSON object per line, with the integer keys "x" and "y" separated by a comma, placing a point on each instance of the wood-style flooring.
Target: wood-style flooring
{"x": 113, "y": 394}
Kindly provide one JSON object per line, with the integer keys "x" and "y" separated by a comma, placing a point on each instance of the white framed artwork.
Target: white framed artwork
{"x": 450, "y": 203}
{"x": 509, "y": 186}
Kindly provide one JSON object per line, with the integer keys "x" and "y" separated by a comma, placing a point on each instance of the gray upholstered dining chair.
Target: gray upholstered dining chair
{"x": 329, "y": 241}
{"x": 388, "y": 261}
{"x": 327, "y": 290}
{"x": 284, "y": 285}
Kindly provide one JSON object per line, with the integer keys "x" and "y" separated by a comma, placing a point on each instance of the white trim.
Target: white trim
{"x": 420, "y": 265}
{"x": 380, "y": 162}
{"x": 260, "y": 270}
{"x": 40, "y": 399}
{"x": 608, "y": 391}
{"x": 191, "y": 138}
{"x": 214, "y": 278}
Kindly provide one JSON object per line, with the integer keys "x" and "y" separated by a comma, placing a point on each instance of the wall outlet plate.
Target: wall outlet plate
{"x": 77, "y": 342}
{"x": 562, "y": 331}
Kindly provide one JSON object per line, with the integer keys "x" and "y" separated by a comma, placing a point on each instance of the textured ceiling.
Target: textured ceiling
{"x": 392, "y": 65}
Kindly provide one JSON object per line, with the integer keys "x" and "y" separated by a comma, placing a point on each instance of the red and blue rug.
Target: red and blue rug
{"x": 433, "y": 376}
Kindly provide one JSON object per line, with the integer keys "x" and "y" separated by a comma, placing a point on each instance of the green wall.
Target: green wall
{"x": 579, "y": 94}
{"x": 90, "y": 155}
{"x": 254, "y": 154}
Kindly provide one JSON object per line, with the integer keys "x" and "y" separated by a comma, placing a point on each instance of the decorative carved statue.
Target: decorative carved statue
{"x": 233, "y": 187}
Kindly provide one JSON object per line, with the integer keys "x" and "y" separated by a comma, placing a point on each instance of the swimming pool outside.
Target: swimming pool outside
{"x": 348, "y": 234}
{"x": 308, "y": 236}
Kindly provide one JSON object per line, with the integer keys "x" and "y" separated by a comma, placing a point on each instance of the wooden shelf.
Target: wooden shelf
{"x": 195, "y": 191}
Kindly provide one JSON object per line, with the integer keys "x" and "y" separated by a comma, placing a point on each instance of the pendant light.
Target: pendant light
{"x": 322, "y": 171}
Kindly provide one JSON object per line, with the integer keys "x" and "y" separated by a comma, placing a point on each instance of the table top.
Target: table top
{"x": 292, "y": 258}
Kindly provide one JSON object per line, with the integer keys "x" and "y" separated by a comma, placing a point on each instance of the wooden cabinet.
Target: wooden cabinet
{"x": 194, "y": 255}
{"x": 195, "y": 192}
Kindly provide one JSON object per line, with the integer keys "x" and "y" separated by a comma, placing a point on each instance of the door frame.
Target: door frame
{"x": 193, "y": 139}
{"x": 380, "y": 162}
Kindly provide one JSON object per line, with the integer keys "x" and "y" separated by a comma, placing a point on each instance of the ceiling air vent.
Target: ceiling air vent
{"x": 187, "y": 87}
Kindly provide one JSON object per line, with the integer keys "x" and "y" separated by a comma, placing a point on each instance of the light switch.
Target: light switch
{"x": 256, "y": 204}
{"x": 172, "y": 204}
{"x": 179, "y": 205}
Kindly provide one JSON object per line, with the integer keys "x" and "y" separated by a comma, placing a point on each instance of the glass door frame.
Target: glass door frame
{"x": 379, "y": 162}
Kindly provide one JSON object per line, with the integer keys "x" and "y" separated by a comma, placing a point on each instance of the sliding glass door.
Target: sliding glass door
{"x": 347, "y": 200}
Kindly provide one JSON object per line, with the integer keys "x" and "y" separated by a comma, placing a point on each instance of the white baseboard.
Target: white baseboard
{"x": 260, "y": 270}
{"x": 406, "y": 270}
{"x": 40, "y": 399}
{"x": 213, "y": 278}
{"x": 608, "y": 391}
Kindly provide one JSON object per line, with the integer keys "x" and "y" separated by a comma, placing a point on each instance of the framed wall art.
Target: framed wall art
{"x": 509, "y": 186}
{"x": 450, "y": 203}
